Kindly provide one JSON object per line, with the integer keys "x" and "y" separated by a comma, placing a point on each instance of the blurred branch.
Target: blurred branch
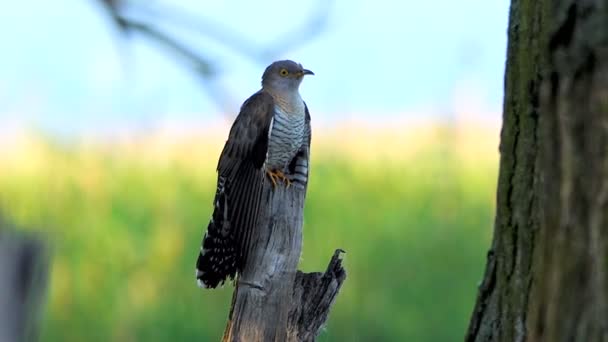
{"x": 200, "y": 65}
{"x": 205, "y": 26}
{"x": 312, "y": 25}
{"x": 125, "y": 14}
{"x": 310, "y": 28}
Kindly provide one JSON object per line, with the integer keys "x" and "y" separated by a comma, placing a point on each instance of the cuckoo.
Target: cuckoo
{"x": 268, "y": 143}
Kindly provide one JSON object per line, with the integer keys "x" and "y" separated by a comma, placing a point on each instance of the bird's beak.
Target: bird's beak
{"x": 307, "y": 72}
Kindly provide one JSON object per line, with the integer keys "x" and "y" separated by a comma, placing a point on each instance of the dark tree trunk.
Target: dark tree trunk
{"x": 546, "y": 277}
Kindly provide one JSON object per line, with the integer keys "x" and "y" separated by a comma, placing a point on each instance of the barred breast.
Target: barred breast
{"x": 286, "y": 137}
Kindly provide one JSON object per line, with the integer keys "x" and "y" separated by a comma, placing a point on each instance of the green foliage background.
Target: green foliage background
{"x": 125, "y": 230}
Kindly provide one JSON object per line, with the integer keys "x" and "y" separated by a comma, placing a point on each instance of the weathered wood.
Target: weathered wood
{"x": 313, "y": 295}
{"x": 263, "y": 292}
{"x": 269, "y": 286}
{"x": 23, "y": 279}
{"x": 547, "y": 272}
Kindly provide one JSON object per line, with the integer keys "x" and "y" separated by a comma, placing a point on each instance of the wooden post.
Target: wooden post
{"x": 273, "y": 301}
{"x": 23, "y": 279}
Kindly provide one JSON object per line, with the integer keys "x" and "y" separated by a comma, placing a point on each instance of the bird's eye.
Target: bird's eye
{"x": 283, "y": 72}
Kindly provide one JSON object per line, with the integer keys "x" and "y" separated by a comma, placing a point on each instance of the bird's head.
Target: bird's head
{"x": 284, "y": 75}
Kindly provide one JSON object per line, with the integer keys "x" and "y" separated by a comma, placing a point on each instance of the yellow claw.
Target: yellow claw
{"x": 273, "y": 178}
{"x": 277, "y": 175}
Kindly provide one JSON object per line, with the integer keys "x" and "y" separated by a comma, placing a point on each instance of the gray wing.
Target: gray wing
{"x": 248, "y": 138}
{"x": 238, "y": 195}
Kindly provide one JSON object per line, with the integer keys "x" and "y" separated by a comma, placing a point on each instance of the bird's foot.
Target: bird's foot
{"x": 273, "y": 178}
{"x": 276, "y": 176}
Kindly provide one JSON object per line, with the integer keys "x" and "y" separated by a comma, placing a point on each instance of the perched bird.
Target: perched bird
{"x": 269, "y": 141}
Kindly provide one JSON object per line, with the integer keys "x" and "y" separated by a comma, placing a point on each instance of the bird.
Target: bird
{"x": 269, "y": 141}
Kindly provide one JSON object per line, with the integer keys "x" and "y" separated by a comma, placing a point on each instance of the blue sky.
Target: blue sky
{"x": 64, "y": 70}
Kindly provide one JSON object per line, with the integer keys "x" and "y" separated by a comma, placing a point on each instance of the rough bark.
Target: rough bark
{"x": 272, "y": 300}
{"x": 500, "y": 311}
{"x": 545, "y": 278}
{"x": 23, "y": 275}
{"x": 570, "y": 291}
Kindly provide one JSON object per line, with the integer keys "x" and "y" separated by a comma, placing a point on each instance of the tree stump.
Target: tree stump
{"x": 273, "y": 301}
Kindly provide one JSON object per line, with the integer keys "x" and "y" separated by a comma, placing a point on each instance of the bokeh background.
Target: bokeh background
{"x": 113, "y": 114}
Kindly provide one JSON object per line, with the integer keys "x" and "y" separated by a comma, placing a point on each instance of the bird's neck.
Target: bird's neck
{"x": 289, "y": 101}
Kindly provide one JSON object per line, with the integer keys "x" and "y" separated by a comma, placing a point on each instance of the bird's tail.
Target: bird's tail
{"x": 217, "y": 259}
{"x": 226, "y": 243}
